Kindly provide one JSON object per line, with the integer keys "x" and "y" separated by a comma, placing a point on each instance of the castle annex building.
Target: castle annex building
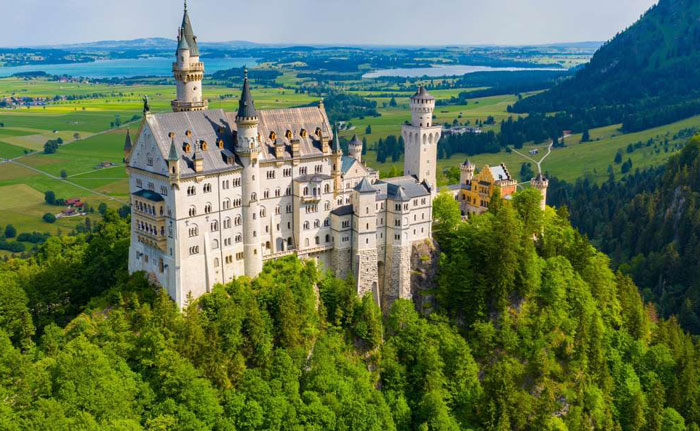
{"x": 214, "y": 194}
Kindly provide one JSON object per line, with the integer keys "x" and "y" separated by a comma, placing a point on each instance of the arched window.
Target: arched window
{"x": 317, "y": 223}
{"x": 289, "y": 241}
{"x": 306, "y": 191}
{"x": 216, "y": 262}
{"x": 238, "y": 238}
{"x": 328, "y": 238}
{"x": 306, "y": 242}
{"x": 327, "y": 206}
{"x": 193, "y": 211}
{"x": 263, "y": 212}
{"x": 194, "y": 230}
{"x": 306, "y": 225}
{"x": 215, "y": 244}
{"x": 318, "y": 241}
{"x": 207, "y": 208}
{"x": 266, "y": 194}
{"x": 253, "y": 196}
{"x": 327, "y": 188}
{"x": 237, "y": 221}
{"x": 214, "y": 226}
{"x": 227, "y": 223}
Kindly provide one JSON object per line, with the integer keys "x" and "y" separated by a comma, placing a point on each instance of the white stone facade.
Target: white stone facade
{"x": 215, "y": 194}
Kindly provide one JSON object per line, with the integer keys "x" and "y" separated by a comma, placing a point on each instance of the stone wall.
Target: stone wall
{"x": 397, "y": 282}
{"x": 341, "y": 260}
{"x": 425, "y": 256}
{"x": 367, "y": 273}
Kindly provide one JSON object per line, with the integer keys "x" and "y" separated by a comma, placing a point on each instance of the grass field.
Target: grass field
{"x": 99, "y": 140}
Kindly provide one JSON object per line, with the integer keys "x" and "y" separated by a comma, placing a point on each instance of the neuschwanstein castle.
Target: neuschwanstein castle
{"x": 215, "y": 194}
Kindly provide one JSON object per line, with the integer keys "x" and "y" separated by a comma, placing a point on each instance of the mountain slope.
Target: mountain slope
{"x": 645, "y": 76}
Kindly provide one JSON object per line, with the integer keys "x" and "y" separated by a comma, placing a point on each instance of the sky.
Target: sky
{"x": 381, "y": 22}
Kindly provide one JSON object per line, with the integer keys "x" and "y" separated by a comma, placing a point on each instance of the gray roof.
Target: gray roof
{"x": 148, "y": 194}
{"x": 468, "y": 162}
{"x": 401, "y": 188}
{"x": 500, "y": 173}
{"x": 422, "y": 94}
{"x": 246, "y": 107}
{"x": 208, "y": 126}
{"x": 182, "y": 43}
{"x": 343, "y": 210}
{"x": 280, "y": 121}
{"x": 347, "y": 163}
{"x": 365, "y": 186}
{"x": 355, "y": 141}
{"x": 172, "y": 155}
{"x": 191, "y": 39}
{"x": 313, "y": 178}
{"x": 127, "y": 141}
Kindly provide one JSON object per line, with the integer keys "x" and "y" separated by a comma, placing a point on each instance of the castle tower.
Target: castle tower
{"x": 466, "y": 172}
{"x": 173, "y": 163}
{"x": 421, "y": 138}
{"x": 337, "y": 161}
{"x": 355, "y": 148}
{"x": 364, "y": 240}
{"x": 541, "y": 183}
{"x": 188, "y": 70}
{"x": 248, "y": 150}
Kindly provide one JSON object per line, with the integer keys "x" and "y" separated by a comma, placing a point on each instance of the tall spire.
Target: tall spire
{"x": 336, "y": 139}
{"x": 188, "y": 33}
{"x": 246, "y": 107}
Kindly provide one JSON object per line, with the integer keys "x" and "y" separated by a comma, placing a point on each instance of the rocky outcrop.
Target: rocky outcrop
{"x": 424, "y": 265}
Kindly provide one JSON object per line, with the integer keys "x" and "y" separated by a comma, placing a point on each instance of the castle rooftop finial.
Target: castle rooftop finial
{"x": 246, "y": 106}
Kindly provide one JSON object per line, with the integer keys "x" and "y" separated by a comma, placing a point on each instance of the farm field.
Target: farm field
{"x": 93, "y": 131}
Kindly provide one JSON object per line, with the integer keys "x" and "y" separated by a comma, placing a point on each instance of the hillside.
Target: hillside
{"x": 646, "y": 76}
{"x": 649, "y": 225}
{"x": 525, "y": 335}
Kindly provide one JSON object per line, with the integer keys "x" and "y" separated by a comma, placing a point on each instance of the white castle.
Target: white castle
{"x": 215, "y": 194}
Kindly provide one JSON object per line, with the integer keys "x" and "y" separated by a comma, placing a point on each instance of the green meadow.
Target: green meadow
{"x": 93, "y": 131}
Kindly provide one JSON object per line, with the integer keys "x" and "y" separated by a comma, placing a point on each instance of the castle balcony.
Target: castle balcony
{"x": 159, "y": 242}
{"x": 311, "y": 198}
{"x": 179, "y": 106}
{"x": 193, "y": 67}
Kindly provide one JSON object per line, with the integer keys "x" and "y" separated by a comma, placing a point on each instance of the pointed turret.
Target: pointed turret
{"x": 173, "y": 161}
{"x": 188, "y": 71}
{"x": 365, "y": 186}
{"x": 355, "y": 148}
{"x": 246, "y": 106}
{"x": 172, "y": 155}
{"x": 128, "y": 146}
{"x": 336, "y": 140}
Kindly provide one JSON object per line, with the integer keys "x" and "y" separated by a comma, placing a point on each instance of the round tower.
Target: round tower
{"x": 355, "y": 148}
{"x": 541, "y": 183}
{"x": 466, "y": 172}
{"x": 421, "y": 139}
{"x": 188, "y": 71}
{"x": 248, "y": 150}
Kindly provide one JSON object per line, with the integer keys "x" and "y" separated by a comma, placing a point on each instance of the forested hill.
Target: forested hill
{"x": 646, "y": 76}
{"x": 524, "y": 335}
{"x": 649, "y": 224}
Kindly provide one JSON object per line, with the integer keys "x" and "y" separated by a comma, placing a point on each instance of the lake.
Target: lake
{"x": 126, "y": 68}
{"x": 445, "y": 70}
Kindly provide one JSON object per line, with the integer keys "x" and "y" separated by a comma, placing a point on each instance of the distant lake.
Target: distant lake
{"x": 126, "y": 68}
{"x": 446, "y": 70}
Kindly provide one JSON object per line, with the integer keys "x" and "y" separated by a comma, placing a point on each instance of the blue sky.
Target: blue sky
{"x": 413, "y": 22}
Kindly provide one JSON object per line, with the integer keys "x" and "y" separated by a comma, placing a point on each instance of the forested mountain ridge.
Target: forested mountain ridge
{"x": 648, "y": 75}
{"x": 650, "y": 225}
{"x": 524, "y": 335}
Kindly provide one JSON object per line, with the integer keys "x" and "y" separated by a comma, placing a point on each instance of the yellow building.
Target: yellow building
{"x": 477, "y": 189}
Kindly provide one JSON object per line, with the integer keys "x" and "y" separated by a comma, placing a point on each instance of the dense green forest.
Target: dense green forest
{"x": 523, "y": 334}
{"x": 648, "y": 223}
{"x": 644, "y": 77}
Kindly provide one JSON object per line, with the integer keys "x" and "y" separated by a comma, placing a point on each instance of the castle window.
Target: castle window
{"x": 186, "y": 148}
{"x": 288, "y": 191}
{"x": 151, "y": 186}
{"x": 226, "y": 204}
{"x": 253, "y": 196}
{"x": 327, "y": 188}
{"x": 318, "y": 169}
{"x": 289, "y": 208}
{"x": 194, "y": 231}
{"x": 287, "y": 172}
{"x": 266, "y": 194}
{"x": 306, "y": 225}
{"x": 237, "y": 203}
{"x": 207, "y": 188}
{"x": 237, "y": 221}
{"x": 326, "y": 222}
{"x": 191, "y": 191}
{"x": 214, "y": 226}
{"x": 328, "y": 238}
{"x": 149, "y": 159}
{"x": 267, "y": 245}
{"x": 194, "y": 250}
{"x": 288, "y": 134}
{"x": 236, "y": 182}
{"x": 203, "y": 145}
{"x": 306, "y": 191}
{"x": 263, "y": 212}
{"x": 318, "y": 240}
{"x": 207, "y": 208}
{"x": 227, "y": 223}
{"x": 317, "y": 223}
{"x": 188, "y": 133}
{"x": 215, "y": 244}
{"x": 302, "y": 133}
{"x": 302, "y": 170}
{"x": 238, "y": 238}
{"x": 139, "y": 183}
{"x": 220, "y": 144}
{"x": 239, "y": 256}
{"x": 216, "y": 262}
{"x": 327, "y": 206}
{"x": 273, "y": 136}
{"x": 193, "y": 211}
{"x": 278, "y": 192}
{"x": 271, "y": 174}
{"x": 255, "y": 234}
{"x": 306, "y": 242}
{"x": 163, "y": 190}
{"x": 318, "y": 132}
